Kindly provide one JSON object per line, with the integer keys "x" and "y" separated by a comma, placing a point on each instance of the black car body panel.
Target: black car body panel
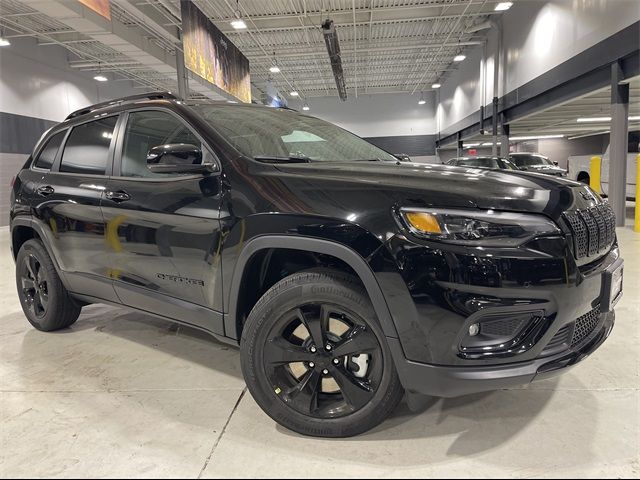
{"x": 183, "y": 248}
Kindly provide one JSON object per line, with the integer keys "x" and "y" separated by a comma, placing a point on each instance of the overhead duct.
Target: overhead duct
{"x": 333, "y": 47}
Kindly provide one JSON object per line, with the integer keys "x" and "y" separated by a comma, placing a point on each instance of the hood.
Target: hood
{"x": 544, "y": 168}
{"x": 430, "y": 185}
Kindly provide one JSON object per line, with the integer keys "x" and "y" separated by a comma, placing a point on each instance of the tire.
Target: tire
{"x": 294, "y": 380}
{"x": 45, "y": 302}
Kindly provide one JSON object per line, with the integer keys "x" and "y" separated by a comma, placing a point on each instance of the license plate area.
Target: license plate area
{"x": 612, "y": 285}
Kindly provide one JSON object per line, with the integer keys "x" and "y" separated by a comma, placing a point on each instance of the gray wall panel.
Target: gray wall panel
{"x": 19, "y": 134}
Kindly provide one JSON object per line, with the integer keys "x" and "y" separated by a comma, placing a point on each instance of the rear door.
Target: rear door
{"x": 163, "y": 230}
{"x": 69, "y": 206}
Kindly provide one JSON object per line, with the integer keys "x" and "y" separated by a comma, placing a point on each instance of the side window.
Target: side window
{"x": 87, "y": 148}
{"x": 48, "y": 153}
{"x": 149, "y": 129}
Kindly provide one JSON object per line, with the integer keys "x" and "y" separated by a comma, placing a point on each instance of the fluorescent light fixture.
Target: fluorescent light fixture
{"x": 305, "y": 108}
{"x": 100, "y": 78}
{"x": 238, "y": 24}
{"x": 436, "y": 85}
{"x": 632, "y": 118}
{"x": 421, "y": 101}
{"x": 471, "y": 145}
{"x": 294, "y": 93}
{"x": 536, "y": 137}
{"x": 459, "y": 58}
{"x": 275, "y": 69}
{"x": 502, "y": 6}
{"x": 487, "y": 144}
{"x": 4, "y": 42}
{"x": 593, "y": 119}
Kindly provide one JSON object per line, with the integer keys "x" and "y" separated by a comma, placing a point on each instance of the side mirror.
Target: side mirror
{"x": 177, "y": 158}
{"x": 555, "y": 162}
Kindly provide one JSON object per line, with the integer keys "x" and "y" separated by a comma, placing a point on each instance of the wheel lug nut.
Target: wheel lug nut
{"x": 311, "y": 364}
{"x": 325, "y": 371}
{"x": 336, "y": 361}
{"x": 313, "y": 350}
{"x": 328, "y": 347}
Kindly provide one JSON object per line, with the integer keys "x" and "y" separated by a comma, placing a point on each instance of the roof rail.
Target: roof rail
{"x": 118, "y": 101}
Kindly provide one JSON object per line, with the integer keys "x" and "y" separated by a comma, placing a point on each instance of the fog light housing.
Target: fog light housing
{"x": 474, "y": 329}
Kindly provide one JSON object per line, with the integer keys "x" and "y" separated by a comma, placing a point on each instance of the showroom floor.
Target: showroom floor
{"x": 124, "y": 394}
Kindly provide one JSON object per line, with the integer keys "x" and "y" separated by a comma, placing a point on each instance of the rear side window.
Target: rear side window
{"x": 48, "y": 153}
{"x": 87, "y": 148}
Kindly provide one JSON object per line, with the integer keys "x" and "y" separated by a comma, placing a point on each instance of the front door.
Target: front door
{"x": 163, "y": 230}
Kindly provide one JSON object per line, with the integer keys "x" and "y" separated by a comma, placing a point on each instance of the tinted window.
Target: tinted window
{"x": 48, "y": 153}
{"x": 530, "y": 160}
{"x": 273, "y": 132}
{"x": 87, "y": 149}
{"x": 146, "y": 130}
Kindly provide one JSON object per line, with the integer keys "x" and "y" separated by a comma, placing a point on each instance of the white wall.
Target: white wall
{"x": 379, "y": 115}
{"x": 537, "y": 36}
{"x": 35, "y": 81}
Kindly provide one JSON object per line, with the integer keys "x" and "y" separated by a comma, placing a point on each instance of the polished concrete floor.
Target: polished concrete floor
{"x": 123, "y": 394}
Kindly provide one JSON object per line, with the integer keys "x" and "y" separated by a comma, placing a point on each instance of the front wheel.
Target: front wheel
{"x": 315, "y": 359}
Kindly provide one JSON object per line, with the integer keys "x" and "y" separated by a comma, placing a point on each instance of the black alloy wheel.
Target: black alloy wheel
{"x": 35, "y": 288}
{"x": 315, "y": 358}
{"x": 322, "y": 360}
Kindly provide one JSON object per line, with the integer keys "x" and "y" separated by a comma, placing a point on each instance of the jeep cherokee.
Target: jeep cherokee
{"x": 346, "y": 277}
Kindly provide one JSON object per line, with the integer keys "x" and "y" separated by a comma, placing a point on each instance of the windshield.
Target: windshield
{"x": 479, "y": 162}
{"x": 530, "y": 160}
{"x": 284, "y": 134}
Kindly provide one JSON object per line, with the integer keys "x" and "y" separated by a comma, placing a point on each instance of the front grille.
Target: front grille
{"x": 593, "y": 230}
{"x": 575, "y": 333}
{"x": 585, "y": 325}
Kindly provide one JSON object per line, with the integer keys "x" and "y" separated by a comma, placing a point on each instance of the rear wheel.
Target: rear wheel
{"x": 315, "y": 358}
{"x": 45, "y": 302}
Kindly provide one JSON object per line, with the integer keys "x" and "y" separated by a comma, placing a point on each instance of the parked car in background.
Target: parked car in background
{"x": 579, "y": 168}
{"x": 534, "y": 162}
{"x": 493, "y": 163}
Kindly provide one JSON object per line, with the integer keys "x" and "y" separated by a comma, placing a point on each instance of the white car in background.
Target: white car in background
{"x": 578, "y": 168}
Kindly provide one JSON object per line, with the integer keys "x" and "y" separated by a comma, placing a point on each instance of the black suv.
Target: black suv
{"x": 346, "y": 276}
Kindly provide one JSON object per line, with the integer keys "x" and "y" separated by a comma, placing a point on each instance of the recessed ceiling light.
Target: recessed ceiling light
{"x": 4, "y": 42}
{"x": 294, "y": 93}
{"x": 502, "y": 6}
{"x": 305, "y": 108}
{"x": 275, "y": 69}
{"x": 238, "y": 24}
{"x": 436, "y": 85}
{"x": 100, "y": 78}
{"x": 459, "y": 58}
{"x": 421, "y": 102}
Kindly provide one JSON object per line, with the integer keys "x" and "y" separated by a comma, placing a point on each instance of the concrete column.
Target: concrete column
{"x": 460, "y": 149}
{"x": 494, "y": 128}
{"x": 504, "y": 141}
{"x": 619, "y": 143}
{"x": 183, "y": 81}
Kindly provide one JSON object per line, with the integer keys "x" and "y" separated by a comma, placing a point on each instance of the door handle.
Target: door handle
{"x": 119, "y": 196}
{"x": 45, "y": 190}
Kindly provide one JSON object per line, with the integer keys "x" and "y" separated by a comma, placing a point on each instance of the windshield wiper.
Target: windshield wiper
{"x": 276, "y": 159}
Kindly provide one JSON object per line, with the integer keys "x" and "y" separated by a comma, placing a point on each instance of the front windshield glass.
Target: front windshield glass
{"x": 530, "y": 160}
{"x": 277, "y": 133}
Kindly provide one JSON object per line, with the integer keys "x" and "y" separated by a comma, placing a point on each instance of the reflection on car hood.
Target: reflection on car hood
{"x": 432, "y": 185}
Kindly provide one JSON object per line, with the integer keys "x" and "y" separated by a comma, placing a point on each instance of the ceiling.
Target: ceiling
{"x": 386, "y": 45}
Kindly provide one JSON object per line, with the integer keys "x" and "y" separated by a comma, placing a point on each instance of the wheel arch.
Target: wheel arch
{"x": 24, "y": 229}
{"x": 312, "y": 245}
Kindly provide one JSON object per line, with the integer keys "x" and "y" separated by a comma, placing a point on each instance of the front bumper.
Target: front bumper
{"x": 443, "y": 381}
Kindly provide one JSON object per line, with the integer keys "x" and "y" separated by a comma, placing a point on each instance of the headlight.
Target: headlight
{"x": 482, "y": 228}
